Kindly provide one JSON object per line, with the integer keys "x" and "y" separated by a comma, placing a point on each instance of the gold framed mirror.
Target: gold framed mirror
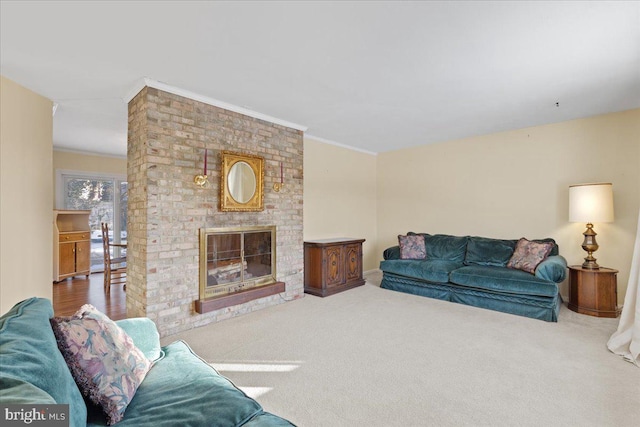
{"x": 241, "y": 182}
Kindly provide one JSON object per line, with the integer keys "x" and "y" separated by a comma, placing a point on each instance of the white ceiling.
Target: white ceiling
{"x": 376, "y": 76}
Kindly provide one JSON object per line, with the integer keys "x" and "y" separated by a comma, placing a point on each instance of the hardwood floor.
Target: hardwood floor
{"x": 69, "y": 295}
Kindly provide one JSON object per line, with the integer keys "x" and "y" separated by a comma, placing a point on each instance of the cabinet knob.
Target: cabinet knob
{"x": 66, "y": 237}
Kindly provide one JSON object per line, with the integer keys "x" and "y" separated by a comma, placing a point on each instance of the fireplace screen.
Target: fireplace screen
{"x": 233, "y": 259}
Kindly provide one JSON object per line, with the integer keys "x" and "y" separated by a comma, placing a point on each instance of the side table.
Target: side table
{"x": 593, "y": 292}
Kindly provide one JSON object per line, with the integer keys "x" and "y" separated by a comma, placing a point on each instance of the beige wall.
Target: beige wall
{"x": 516, "y": 184}
{"x": 70, "y": 161}
{"x": 26, "y": 135}
{"x": 340, "y": 196}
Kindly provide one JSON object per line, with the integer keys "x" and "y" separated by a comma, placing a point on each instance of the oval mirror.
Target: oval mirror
{"x": 241, "y": 182}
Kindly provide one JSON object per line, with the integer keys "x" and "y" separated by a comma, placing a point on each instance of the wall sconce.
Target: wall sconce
{"x": 590, "y": 203}
{"x": 201, "y": 180}
{"x": 279, "y": 185}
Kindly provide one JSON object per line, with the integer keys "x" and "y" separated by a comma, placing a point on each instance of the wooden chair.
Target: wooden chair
{"x": 115, "y": 269}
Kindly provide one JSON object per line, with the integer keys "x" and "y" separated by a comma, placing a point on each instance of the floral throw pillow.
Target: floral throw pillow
{"x": 412, "y": 247}
{"x": 102, "y": 358}
{"x": 528, "y": 255}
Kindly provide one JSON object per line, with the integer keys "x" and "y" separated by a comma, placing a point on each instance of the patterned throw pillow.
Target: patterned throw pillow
{"x": 412, "y": 247}
{"x": 528, "y": 255}
{"x": 102, "y": 358}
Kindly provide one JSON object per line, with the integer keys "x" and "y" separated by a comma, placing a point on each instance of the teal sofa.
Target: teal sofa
{"x": 180, "y": 389}
{"x": 472, "y": 270}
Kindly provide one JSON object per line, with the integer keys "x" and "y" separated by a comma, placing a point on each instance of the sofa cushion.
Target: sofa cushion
{"x": 555, "y": 250}
{"x": 102, "y": 358}
{"x": 436, "y": 271}
{"x": 145, "y": 336}
{"x": 413, "y": 233}
{"x": 527, "y": 255}
{"x": 182, "y": 390}
{"x": 412, "y": 247}
{"x": 485, "y": 251}
{"x": 13, "y": 390}
{"x": 504, "y": 280}
{"x": 445, "y": 247}
{"x": 28, "y": 352}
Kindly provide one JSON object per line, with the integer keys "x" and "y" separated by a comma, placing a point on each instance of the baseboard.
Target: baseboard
{"x": 374, "y": 271}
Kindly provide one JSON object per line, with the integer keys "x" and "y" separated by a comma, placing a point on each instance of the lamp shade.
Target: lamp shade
{"x": 591, "y": 203}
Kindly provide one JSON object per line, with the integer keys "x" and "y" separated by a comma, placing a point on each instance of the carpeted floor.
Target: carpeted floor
{"x": 373, "y": 357}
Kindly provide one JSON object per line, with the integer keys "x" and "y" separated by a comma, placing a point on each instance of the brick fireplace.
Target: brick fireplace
{"x": 167, "y": 138}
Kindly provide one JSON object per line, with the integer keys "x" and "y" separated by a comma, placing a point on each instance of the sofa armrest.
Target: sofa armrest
{"x": 553, "y": 269}
{"x": 145, "y": 336}
{"x": 391, "y": 253}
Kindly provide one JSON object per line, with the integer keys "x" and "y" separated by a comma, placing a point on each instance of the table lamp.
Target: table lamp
{"x": 590, "y": 203}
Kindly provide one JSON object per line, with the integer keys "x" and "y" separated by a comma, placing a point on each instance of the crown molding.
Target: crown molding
{"x": 87, "y": 153}
{"x": 135, "y": 89}
{"x": 140, "y": 84}
{"x": 337, "y": 144}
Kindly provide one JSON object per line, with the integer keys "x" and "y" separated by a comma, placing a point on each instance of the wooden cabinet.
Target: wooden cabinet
{"x": 71, "y": 244}
{"x": 75, "y": 253}
{"x": 593, "y": 292}
{"x": 332, "y": 265}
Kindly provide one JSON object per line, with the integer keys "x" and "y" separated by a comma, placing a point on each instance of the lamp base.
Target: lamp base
{"x": 590, "y": 264}
{"x": 590, "y": 245}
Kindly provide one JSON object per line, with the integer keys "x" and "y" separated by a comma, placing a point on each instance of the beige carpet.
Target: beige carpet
{"x": 373, "y": 357}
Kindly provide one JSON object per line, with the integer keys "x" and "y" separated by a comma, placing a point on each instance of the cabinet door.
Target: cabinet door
{"x": 354, "y": 262}
{"x": 83, "y": 255}
{"x": 334, "y": 266}
{"x": 67, "y": 258}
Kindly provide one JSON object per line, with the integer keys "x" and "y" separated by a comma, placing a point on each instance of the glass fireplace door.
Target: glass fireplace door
{"x": 235, "y": 259}
{"x": 224, "y": 259}
{"x": 257, "y": 254}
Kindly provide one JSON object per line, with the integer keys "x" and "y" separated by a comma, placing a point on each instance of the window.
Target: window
{"x": 106, "y": 197}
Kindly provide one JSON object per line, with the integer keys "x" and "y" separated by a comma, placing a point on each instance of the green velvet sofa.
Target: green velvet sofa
{"x": 180, "y": 389}
{"x": 472, "y": 270}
